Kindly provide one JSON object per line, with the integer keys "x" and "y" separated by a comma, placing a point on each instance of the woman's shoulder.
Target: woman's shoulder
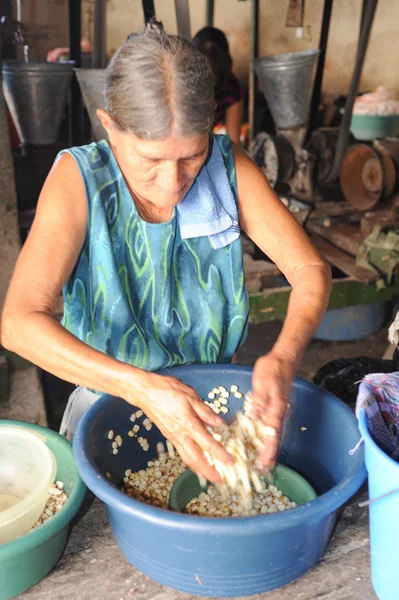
{"x": 224, "y": 143}
{"x": 90, "y": 155}
{"x": 225, "y": 146}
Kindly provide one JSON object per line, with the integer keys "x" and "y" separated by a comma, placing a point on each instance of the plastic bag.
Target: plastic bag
{"x": 343, "y": 376}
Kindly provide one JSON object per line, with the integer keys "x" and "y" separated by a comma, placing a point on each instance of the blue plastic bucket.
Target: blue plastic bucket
{"x": 384, "y": 516}
{"x": 236, "y": 556}
{"x": 349, "y": 323}
{"x": 352, "y": 323}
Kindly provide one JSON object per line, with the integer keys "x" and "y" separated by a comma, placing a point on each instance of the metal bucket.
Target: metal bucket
{"x": 287, "y": 82}
{"x": 36, "y": 93}
{"x": 92, "y": 83}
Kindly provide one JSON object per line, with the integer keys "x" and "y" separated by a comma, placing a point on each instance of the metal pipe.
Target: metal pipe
{"x": 368, "y": 12}
{"x": 318, "y": 82}
{"x": 99, "y": 58}
{"x": 75, "y": 33}
{"x": 2, "y": 40}
{"x": 183, "y": 19}
{"x": 148, "y": 9}
{"x": 363, "y": 15}
{"x": 210, "y": 12}
{"x": 7, "y": 48}
{"x": 252, "y": 83}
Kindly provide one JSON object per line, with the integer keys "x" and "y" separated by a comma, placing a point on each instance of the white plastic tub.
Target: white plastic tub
{"x": 27, "y": 469}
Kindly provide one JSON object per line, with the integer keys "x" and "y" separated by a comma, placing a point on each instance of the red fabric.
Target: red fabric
{"x": 14, "y": 138}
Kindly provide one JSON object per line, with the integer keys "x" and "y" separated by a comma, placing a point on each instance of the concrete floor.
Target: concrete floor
{"x": 26, "y": 398}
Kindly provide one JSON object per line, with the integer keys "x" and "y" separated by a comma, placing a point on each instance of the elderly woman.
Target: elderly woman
{"x": 142, "y": 235}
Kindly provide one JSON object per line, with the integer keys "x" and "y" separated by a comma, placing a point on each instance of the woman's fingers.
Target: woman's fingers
{"x": 272, "y": 408}
{"x": 269, "y": 403}
{"x": 206, "y": 414}
{"x": 272, "y": 420}
{"x": 271, "y": 384}
{"x": 193, "y": 457}
{"x": 207, "y": 443}
{"x": 268, "y": 454}
{"x": 185, "y": 427}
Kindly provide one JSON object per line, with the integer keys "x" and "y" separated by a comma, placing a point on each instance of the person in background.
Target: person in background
{"x": 229, "y": 105}
{"x": 55, "y": 54}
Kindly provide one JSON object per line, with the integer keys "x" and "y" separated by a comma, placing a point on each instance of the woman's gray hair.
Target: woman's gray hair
{"x": 156, "y": 83}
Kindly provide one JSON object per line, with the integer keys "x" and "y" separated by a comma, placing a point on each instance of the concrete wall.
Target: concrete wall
{"x": 47, "y": 20}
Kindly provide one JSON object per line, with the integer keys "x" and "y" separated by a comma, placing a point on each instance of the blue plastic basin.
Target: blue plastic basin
{"x": 236, "y": 556}
{"x": 384, "y": 516}
{"x": 349, "y": 323}
{"x": 352, "y": 323}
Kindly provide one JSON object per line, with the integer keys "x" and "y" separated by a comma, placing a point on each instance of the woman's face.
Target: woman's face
{"x": 160, "y": 172}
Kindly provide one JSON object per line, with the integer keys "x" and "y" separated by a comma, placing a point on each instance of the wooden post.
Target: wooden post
{"x": 148, "y": 9}
{"x": 210, "y": 12}
{"x": 76, "y": 112}
{"x": 99, "y": 59}
{"x": 183, "y": 19}
{"x": 254, "y": 55}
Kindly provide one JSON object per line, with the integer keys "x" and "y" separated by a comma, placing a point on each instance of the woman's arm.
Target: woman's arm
{"x": 29, "y": 329}
{"x": 273, "y": 228}
{"x": 234, "y": 121}
{"x": 44, "y": 264}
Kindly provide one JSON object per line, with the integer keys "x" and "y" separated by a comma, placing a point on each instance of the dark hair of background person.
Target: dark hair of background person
{"x": 213, "y": 43}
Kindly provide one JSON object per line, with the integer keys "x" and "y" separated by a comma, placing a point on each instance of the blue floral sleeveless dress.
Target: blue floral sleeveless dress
{"x": 142, "y": 294}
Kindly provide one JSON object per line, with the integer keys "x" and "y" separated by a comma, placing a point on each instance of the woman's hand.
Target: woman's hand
{"x": 271, "y": 383}
{"x": 180, "y": 415}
